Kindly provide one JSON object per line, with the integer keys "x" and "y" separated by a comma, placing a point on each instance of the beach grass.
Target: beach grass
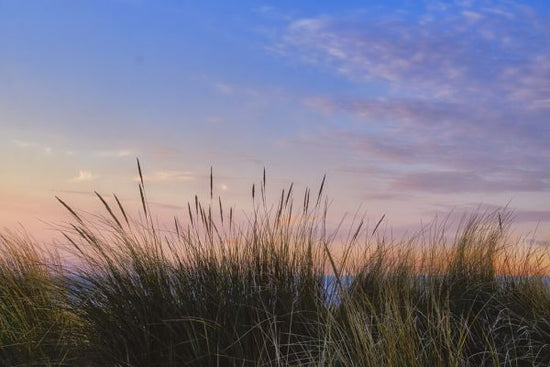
{"x": 277, "y": 289}
{"x": 38, "y": 325}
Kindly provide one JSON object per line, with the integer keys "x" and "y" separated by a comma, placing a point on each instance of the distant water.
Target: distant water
{"x": 333, "y": 291}
{"x": 332, "y": 288}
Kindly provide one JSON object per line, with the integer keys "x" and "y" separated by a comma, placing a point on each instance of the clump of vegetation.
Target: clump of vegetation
{"x": 448, "y": 305}
{"x": 37, "y": 324}
{"x": 209, "y": 293}
{"x": 271, "y": 291}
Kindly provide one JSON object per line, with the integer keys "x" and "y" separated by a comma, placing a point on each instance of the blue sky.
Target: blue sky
{"x": 411, "y": 108}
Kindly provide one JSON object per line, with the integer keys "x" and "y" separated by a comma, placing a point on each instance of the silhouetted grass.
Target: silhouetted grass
{"x": 212, "y": 292}
{"x": 37, "y": 323}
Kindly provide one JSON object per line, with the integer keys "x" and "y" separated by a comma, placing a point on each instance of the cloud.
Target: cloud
{"x": 169, "y": 176}
{"x": 467, "y": 181}
{"x": 23, "y": 144}
{"x": 438, "y": 50}
{"x": 433, "y": 163}
{"x": 215, "y": 120}
{"x": 76, "y": 192}
{"x": 531, "y": 215}
{"x": 271, "y": 12}
{"x": 461, "y": 94}
{"x": 240, "y": 90}
{"x": 83, "y": 176}
{"x": 437, "y": 54}
{"x": 119, "y": 153}
{"x": 516, "y": 215}
{"x": 166, "y": 206}
{"x": 224, "y": 88}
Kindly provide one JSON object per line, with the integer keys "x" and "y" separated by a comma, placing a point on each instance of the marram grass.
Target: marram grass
{"x": 213, "y": 292}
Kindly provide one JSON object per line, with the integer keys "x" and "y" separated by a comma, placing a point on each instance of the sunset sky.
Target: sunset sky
{"x": 411, "y": 108}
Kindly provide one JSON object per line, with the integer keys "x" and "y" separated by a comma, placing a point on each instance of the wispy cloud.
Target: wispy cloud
{"x": 240, "y": 90}
{"x": 224, "y": 88}
{"x": 439, "y": 50}
{"x": 169, "y": 176}
{"x": 517, "y": 215}
{"x": 24, "y": 144}
{"x": 84, "y": 176}
{"x": 74, "y": 192}
{"x": 215, "y": 120}
{"x": 119, "y": 153}
{"x": 468, "y": 181}
{"x": 463, "y": 100}
{"x": 166, "y": 206}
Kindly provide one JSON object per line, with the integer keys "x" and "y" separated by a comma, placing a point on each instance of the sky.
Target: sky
{"x": 413, "y": 109}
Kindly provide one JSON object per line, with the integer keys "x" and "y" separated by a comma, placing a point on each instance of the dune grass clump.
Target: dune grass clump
{"x": 448, "y": 305}
{"x": 206, "y": 293}
{"x": 37, "y": 326}
{"x": 272, "y": 291}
